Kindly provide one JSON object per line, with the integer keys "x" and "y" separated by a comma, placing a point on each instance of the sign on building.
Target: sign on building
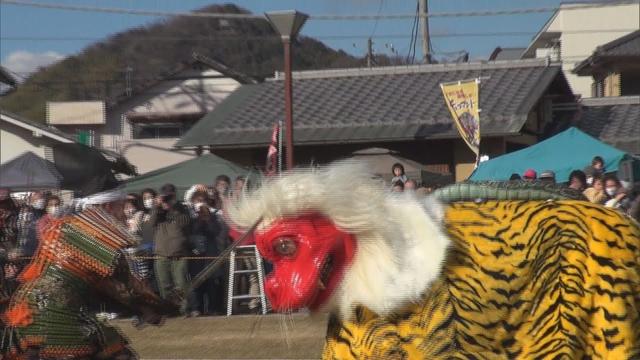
{"x": 76, "y": 113}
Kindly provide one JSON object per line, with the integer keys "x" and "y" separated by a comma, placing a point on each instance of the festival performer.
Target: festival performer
{"x": 495, "y": 271}
{"x": 79, "y": 256}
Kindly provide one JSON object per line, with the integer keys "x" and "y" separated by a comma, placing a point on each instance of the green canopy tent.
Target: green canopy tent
{"x": 569, "y": 150}
{"x": 200, "y": 170}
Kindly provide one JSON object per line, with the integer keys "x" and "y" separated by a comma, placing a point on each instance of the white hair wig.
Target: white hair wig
{"x": 401, "y": 245}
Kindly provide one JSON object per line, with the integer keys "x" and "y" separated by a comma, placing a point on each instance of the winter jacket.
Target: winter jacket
{"x": 171, "y": 231}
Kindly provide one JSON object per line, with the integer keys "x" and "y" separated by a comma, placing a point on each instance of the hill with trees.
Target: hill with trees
{"x": 134, "y": 58}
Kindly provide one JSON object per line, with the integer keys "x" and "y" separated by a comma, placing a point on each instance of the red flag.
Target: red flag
{"x": 272, "y": 153}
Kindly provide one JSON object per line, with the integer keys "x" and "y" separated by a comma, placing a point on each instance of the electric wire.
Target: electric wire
{"x": 112, "y": 10}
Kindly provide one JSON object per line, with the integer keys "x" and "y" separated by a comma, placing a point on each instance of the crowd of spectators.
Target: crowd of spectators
{"x": 594, "y": 181}
{"x": 596, "y": 184}
{"x": 177, "y": 238}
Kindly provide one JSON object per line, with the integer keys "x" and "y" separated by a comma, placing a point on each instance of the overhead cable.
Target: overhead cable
{"x": 519, "y": 11}
{"x": 215, "y": 37}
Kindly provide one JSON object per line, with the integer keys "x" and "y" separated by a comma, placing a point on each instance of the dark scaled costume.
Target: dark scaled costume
{"x": 77, "y": 256}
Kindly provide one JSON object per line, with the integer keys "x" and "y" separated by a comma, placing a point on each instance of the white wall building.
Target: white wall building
{"x": 18, "y": 135}
{"x": 576, "y": 29}
{"x": 144, "y": 126}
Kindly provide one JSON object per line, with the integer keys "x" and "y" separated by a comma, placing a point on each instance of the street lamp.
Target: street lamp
{"x": 287, "y": 24}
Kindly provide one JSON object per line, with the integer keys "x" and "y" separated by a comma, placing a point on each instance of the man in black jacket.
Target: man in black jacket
{"x": 171, "y": 222}
{"x": 209, "y": 237}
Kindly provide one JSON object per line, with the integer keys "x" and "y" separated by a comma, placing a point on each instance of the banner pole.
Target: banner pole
{"x": 478, "y": 81}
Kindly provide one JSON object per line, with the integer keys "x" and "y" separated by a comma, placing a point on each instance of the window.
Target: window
{"x": 168, "y": 132}
{"x": 630, "y": 83}
{"x": 599, "y": 88}
{"x": 158, "y": 131}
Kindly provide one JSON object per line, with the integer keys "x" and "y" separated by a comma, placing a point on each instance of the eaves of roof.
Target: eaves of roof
{"x": 379, "y": 104}
{"x": 41, "y": 129}
{"x": 623, "y": 48}
{"x": 196, "y": 58}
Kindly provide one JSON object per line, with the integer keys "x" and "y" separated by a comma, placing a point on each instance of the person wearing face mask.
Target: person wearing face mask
{"x": 616, "y": 194}
{"x": 148, "y": 202}
{"x": 30, "y": 213}
{"x": 53, "y": 207}
{"x": 595, "y": 169}
{"x": 145, "y": 248}
{"x": 134, "y": 220}
{"x": 208, "y": 239}
{"x": 148, "y": 199}
{"x": 171, "y": 222}
{"x": 133, "y": 214}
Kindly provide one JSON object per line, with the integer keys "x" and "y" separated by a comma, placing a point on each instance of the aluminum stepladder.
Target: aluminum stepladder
{"x": 246, "y": 250}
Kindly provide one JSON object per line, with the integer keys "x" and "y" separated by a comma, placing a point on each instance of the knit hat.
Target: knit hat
{"x": 547, "y": 174}
{"x": 530, "y": 174}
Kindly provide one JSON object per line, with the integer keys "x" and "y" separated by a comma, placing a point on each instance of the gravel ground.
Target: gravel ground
{"x": 235, "y": 337}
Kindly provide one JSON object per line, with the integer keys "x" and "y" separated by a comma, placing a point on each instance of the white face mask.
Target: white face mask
{"x": 129, "y": 212}
{"x": 611, "y": 191}
{"x": 148, "y": 203}
{"x": 53, "y": 210}
{"x": 39, "y": 204}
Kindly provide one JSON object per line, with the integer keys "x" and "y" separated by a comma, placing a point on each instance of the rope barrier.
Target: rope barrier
{"x": 159, "y": 257}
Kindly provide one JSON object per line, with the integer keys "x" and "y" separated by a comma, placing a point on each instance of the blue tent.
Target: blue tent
{"x": 569, "y": 150}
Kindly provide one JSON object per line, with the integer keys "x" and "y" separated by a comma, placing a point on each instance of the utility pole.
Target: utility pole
{"x": 369, "y": 52}
{"x": 128, "y": 80}
{"x": 424, "y": 25}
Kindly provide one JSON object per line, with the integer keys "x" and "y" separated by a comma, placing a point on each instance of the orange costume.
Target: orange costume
{"x": 49, "y": 309}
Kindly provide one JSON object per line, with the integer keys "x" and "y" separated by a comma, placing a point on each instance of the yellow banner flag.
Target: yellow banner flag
{"x": 462, "y": 99}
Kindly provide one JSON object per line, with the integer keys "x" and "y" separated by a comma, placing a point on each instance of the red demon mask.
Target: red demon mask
{"x": 309, "y": 255}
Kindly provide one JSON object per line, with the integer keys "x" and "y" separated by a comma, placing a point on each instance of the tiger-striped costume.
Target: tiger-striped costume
{"x": 508, "y": 270}
{"x": 524, "y": 280}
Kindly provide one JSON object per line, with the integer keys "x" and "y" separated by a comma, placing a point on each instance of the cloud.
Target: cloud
{"x": 25, "y": 62}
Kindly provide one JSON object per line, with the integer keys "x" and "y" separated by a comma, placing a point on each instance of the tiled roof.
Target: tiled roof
{"x": 628, "y": 45}
{"x": 196, "y": 57}
{"x": 506, "y": 54}
{"x": 7, "y": 78}
{"x": 614, "y": 120}
{"x": 376, "y": 104}
{"x": 625, "y": 46}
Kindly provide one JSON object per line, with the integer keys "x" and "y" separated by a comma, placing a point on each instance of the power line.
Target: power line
{"x": 520, "y": 11}
{"x": 322, "y": 37}
{"x": 129, "y": 11}
{"x": 414, "y": 35}
{"x": 473, "y": 13}
{"x": 375, "y": 26}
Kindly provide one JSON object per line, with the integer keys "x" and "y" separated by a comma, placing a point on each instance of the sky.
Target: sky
{"x": 449, "y": 34}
